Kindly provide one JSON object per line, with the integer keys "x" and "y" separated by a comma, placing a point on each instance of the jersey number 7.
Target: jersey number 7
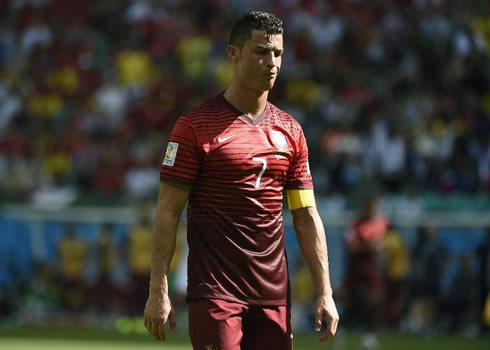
{"x": 264, "y": 166}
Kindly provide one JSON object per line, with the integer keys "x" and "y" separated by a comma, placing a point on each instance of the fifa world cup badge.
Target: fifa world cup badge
{"x": 171, "y": 153}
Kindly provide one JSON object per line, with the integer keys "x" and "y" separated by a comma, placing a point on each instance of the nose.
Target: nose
{"x": 271, "y": 61}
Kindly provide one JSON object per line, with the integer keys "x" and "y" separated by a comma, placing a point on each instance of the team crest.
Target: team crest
{"x": 210, "y": 347}
{"x": 171, "y": 153}
{"x": 279, "y": 140}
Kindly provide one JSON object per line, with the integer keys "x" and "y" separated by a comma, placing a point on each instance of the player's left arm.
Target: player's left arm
{"x": 312, "y": 241}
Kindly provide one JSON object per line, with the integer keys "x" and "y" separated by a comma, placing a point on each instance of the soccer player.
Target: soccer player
{"x": 230, "y": 159}
{"x": 364, "y": 277}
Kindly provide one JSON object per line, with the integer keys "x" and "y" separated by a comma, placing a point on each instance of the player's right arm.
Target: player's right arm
{"x": 158, "y": 309}
{"x": 178, "y": 172}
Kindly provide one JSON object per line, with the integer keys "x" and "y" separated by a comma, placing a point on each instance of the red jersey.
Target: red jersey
{"x": 368, "y": 230}
{"x": 363, "y": 270}
{"x": 238, "y": 169}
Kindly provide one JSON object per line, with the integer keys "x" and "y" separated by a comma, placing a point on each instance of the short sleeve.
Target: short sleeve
{"x": 181, "y": 162}
{"x": 299, "y": 176}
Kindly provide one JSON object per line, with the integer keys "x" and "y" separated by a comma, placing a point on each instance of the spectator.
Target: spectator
{"x": 99, "y": 79}
{"x": 429, "y": 259}
{"x": 42, "y": 298}
{"x": 72, "y": 252}
{"x": 458, "y": 301}
{"x": 104, "y": 296}
{"x": 138, "y": 245}
{"x": 364, "y": 281}
{"x": 397, "y": 264}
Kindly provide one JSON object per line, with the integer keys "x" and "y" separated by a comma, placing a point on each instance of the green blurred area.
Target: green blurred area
{"x": 28, "y": 338}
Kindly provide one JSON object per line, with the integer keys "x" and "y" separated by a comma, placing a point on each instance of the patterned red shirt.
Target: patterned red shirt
{"x": 238, "y": 169}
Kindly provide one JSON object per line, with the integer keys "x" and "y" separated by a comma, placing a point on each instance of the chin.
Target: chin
{"x": 268, "y": 86}
{"x": 263, "y": 86}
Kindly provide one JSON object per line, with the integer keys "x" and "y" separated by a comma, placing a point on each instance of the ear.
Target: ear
{"x": 233, "y": 53}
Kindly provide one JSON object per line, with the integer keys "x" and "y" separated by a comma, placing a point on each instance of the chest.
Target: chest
{"x": 255, "y": 156}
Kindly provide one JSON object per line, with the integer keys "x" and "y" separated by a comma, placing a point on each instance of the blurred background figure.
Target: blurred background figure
{"x": 303, "y": 296}
{"x": 396, "y": 262}
{"x": 459, "y": 300}
{"x": 103, "y": 295}
{"x": 429, "y": 261}
{"x": 41, "y": 303}
{"x": 72, "y": 252}
{"x": 138, "y": 248}
{"x": 364, "y": 280}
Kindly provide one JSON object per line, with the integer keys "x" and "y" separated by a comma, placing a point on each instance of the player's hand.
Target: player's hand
{"x": 325, "y": 310}
{"x": 158, "y": 311}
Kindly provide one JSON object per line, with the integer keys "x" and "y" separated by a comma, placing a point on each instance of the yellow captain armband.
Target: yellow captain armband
{"x": 301, "y": 198}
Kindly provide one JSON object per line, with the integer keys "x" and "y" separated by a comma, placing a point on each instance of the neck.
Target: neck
{"x": 250, "y": 102}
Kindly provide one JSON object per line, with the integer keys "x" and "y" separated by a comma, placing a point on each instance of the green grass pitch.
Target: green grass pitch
{"x": 42, "y": 338}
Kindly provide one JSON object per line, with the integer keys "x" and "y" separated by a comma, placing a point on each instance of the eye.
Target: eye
{"x": 278, "y": 53}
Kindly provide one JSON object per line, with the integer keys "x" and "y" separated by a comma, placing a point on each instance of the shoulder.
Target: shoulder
{"x": 286, "y": 120}
{"x": 202, "y": 118}
{"x": 206, "y": 109}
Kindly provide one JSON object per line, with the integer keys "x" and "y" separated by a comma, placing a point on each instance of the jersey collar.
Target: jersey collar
{"x": 242, "y": 116}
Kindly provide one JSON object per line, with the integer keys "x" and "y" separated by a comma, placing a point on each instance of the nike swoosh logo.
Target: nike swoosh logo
{"x": 223, "y": 139}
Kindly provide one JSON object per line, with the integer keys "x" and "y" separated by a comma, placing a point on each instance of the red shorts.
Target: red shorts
{"x": 216, "y": 324}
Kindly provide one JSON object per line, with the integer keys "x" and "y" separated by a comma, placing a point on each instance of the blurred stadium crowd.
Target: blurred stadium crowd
{"x": 426, "y": 280}
{"x": 390, "y": 93}
{"x": 88, "y": 275}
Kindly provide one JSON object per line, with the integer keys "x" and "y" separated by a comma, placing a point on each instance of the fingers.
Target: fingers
{"x": 171, "y": 320}
{"x": 333, "y": 326}
{"x": 156, "y": 327}
{"x": 330, "y": 331}
{"x": 324, "y": 338}
{"x": 157, "y": 312}
{"x": 319, "y": 316}
{"x": 318, "y": 320}
{"x": 332, "y": 323}
{"x": 161, "y": 331}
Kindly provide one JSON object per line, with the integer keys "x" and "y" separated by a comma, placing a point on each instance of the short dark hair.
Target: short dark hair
{"x": 241, "y": 30}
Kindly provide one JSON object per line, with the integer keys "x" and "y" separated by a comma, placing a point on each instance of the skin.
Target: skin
{"x": 159, "y": 309}
{"x": 255, "y": 69}
{"x": 312, "y": 242}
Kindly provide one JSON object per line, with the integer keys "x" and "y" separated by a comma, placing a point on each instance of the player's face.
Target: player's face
{"x": 259, "y": 61}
